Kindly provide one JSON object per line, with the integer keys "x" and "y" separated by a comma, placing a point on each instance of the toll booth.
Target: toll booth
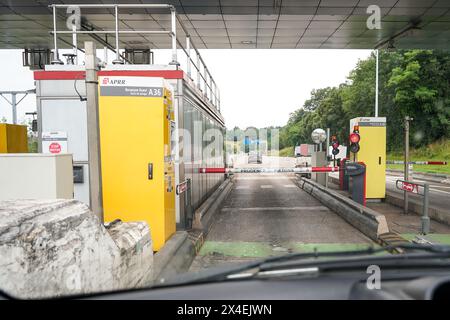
{"x": 62, "y": 127}
{"x": 372, "y": 153}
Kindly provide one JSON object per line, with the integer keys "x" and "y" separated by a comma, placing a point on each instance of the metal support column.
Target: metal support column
{"x": 95, "y": 178}
{"x": 14, "y": 107}
{"x": 56, "y": 59}
{"x": 406, "y": 159}
{"x": 425, "y": 218}
{"x": 376, "y": 84}
{"x": 14, "y": 103}
{"x": 116, "y": 16}
{"x": 174, "y": 37}
{"x": 188, "y": 60}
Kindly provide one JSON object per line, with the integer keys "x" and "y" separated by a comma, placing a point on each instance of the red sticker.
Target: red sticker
{"x": 54, "y": 147}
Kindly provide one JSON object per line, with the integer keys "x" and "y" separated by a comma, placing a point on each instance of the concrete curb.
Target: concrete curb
{"x": 416, "y": 207}
{"x": 175, "y": 256}
{"x": 366, "y": 220}
{"x": 203, "y": 215}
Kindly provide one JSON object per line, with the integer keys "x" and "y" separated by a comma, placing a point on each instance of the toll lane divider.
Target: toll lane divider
{"x": 204, "y": 214}
{"x": 367, "y": 221}
{"x": 177, "y": 254}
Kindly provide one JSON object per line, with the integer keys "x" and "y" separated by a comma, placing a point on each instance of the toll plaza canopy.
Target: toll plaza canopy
{"x": 241, "y": 24}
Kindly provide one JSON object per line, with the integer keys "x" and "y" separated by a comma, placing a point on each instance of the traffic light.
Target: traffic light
{"x": 354, "y": 140}
{"x": 334, "y": 145}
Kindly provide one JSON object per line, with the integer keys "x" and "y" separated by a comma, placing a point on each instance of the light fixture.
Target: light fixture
{"x": 247, "y": 42}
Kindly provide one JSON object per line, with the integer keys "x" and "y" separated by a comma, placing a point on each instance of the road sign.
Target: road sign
{"x": 414, "y": 188}
{"x": 182, "y": 187}
{"x": 54, "y": 147}
{"x": 407, "y": 186}
{"x": 54, "y": 142}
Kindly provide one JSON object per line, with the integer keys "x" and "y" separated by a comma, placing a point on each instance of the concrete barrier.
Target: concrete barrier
{"x": 179, "y": 251}
{"x": 52, "y": 248}
{"x": 203, "y": 215}
{"x": 414, "y": 206}
{"x": 366, "y": 220}
{"x": 175, "y": 257}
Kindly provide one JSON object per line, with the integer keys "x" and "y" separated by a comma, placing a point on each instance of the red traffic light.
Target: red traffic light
{"x": 354, "y": 138}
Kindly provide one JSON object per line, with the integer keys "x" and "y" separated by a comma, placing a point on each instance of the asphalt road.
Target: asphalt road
{"x": 267, "y": 214}
{"x": 439, "y": 192}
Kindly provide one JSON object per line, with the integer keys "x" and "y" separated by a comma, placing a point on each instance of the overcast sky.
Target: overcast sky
{"x": 258, "y": 87}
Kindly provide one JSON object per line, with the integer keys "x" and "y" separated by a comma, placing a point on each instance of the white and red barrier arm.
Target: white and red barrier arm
{"x": 268, "y": 170}
{"x": 417, "y": 162}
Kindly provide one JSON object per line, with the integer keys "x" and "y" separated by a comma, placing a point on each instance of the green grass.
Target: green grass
{"x": 438, "y": 151}
{"x": 287, "y": 152}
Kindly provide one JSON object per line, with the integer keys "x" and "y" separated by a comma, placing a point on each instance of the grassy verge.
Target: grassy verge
{"x": 438, "y": 151}
{"x": 287, "y": 152}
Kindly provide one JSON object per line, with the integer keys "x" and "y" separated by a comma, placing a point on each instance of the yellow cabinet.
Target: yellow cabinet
{"x": 13, "y": 138}
{"x": 372, "y": 131}
{"x": 136, "y": 118}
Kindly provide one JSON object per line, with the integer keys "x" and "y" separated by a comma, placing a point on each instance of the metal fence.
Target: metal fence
{"x": 194, "y": 60}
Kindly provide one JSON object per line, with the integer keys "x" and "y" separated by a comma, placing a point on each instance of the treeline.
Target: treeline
{"x": 413, "y": 82}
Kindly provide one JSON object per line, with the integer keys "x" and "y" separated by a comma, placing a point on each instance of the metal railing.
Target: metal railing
{"x": 204, "y": 80}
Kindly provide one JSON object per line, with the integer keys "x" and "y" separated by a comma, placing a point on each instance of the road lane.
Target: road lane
{"x": 259, "y": 221}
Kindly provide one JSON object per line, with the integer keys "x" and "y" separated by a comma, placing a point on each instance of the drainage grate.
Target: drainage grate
{"x": 392, "y": 239}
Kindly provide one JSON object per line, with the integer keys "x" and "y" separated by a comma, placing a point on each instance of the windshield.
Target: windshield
{"x": 225, "y": 141}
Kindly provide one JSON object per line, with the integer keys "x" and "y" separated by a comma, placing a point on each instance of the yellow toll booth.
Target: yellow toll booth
{"x": 372, "y": 152}
{"x": 13, "y": 138}
{"x": 136, "y": 122}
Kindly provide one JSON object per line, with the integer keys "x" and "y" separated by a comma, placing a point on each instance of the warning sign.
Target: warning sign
{"x": 54, "y": 147}
{"x": 54, "y": 142}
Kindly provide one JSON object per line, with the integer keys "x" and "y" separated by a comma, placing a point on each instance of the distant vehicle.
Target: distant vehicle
{"x": 255, "y": 157}
{"x": 303, "y": 150}
{"x": 303, "y": 157}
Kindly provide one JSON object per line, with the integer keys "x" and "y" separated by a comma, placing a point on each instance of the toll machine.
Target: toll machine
{"x": 372, "y": 152}
{"x": 136, "y": 118}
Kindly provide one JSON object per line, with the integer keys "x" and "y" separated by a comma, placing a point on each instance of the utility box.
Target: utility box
{"x": 62, "y": 119}
{"x": 137, "y": 152}
{"x": 319, "y": 159}
{"x": 13, "y": 138}
{"x": 372, "y": 152}
{"x": 36, "y": 176}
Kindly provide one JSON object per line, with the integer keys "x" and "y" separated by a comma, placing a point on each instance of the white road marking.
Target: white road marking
{"x": 440, "y": 191}
{"x": 242, "y": 187}
{"x": 289, "y": 186}
{"x": 266, "y": 186}
{"x": 271, "y": 177}
{"x": 313, "y": 208}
